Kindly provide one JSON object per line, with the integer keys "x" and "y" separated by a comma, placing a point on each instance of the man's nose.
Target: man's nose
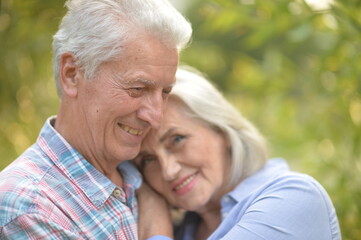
{"x": 152, "y": 110}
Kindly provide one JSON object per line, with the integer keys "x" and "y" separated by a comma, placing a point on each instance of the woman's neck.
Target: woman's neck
{"x": 210, "y": 220}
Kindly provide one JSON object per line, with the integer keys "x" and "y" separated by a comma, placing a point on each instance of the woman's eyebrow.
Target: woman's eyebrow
{"x": 142, "y": 153}
{"x": 166, "y": 134}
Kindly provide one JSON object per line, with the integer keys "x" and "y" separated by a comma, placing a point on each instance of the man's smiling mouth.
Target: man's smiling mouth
{"x": 130, "y": 130}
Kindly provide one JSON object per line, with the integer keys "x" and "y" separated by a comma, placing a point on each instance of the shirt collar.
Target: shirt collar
{"x": 94, "y": 184}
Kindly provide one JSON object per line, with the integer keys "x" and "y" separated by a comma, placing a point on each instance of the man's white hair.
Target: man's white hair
{"x": 97, "y": 31}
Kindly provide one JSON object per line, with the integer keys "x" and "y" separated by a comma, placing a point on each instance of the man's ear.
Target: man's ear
{"x": 69, "y": 74}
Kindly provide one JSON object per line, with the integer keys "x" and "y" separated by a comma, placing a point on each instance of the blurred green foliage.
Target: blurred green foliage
{"x": 27, "y": 92}
{"x": 292, "y": 69}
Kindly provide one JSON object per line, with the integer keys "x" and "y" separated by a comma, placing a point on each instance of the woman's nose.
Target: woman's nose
{"x": 170, "y": 168}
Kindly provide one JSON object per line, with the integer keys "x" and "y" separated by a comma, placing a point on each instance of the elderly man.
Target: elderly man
{"x": 114, "y": 65}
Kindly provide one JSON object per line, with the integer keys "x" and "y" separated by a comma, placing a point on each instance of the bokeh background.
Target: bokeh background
{"x": 293, "y": 67}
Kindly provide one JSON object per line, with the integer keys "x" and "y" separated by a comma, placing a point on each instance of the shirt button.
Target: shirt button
{"x": 117, "y": 193}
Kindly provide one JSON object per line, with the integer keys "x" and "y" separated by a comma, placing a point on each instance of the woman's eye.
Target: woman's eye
{"x": 146, "y": 161}
{"x": 178, "y": 138}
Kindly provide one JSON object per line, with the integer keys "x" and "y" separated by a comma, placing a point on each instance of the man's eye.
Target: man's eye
{"x": 167, "y": 90}
{"x": 135, "y": 92}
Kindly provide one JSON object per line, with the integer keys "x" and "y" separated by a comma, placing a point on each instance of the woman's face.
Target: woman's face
{"x": 185, "y": 161}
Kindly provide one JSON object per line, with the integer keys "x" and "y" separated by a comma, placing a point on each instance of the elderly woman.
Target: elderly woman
{"x": 209, "y": 160}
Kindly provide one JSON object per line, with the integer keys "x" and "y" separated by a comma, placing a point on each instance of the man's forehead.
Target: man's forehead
{"x": 137, "y": 78}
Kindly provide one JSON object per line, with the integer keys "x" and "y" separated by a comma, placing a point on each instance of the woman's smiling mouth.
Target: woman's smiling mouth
{"x": 185, "y": 184}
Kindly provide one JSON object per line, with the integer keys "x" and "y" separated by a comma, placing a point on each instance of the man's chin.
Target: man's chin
{"x": 130, "y": 153}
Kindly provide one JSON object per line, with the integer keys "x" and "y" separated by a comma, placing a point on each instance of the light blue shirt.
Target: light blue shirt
{"x": 273, "y": 204}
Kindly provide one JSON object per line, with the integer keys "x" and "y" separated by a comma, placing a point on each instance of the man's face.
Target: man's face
{"x": 125, "y": 100}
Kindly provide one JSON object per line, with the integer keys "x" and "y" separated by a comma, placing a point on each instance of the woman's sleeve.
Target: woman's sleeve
{"x": 291, "y": 208}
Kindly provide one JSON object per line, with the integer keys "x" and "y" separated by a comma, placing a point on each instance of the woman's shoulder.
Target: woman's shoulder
{"x": 291, "y": 184}
{"x": 288, "y": 200}
{"x": 276, "y": 176}
{"x": 292, "y": 188}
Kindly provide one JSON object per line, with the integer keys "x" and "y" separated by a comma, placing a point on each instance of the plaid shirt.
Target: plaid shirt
{"x": 52, "y": 192}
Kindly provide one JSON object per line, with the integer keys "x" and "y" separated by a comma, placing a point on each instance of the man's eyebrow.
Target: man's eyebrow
{"x": 166, "y": 134}
{"x": 144, "y": 81}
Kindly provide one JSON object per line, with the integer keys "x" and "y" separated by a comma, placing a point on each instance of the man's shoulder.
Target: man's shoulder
{"x": 29, "y": 166}
{"x": 20, "y": 184}
{"x": 18, "y": 192}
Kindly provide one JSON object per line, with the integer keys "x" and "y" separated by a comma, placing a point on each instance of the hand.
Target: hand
{"x": 154, "y": 214}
